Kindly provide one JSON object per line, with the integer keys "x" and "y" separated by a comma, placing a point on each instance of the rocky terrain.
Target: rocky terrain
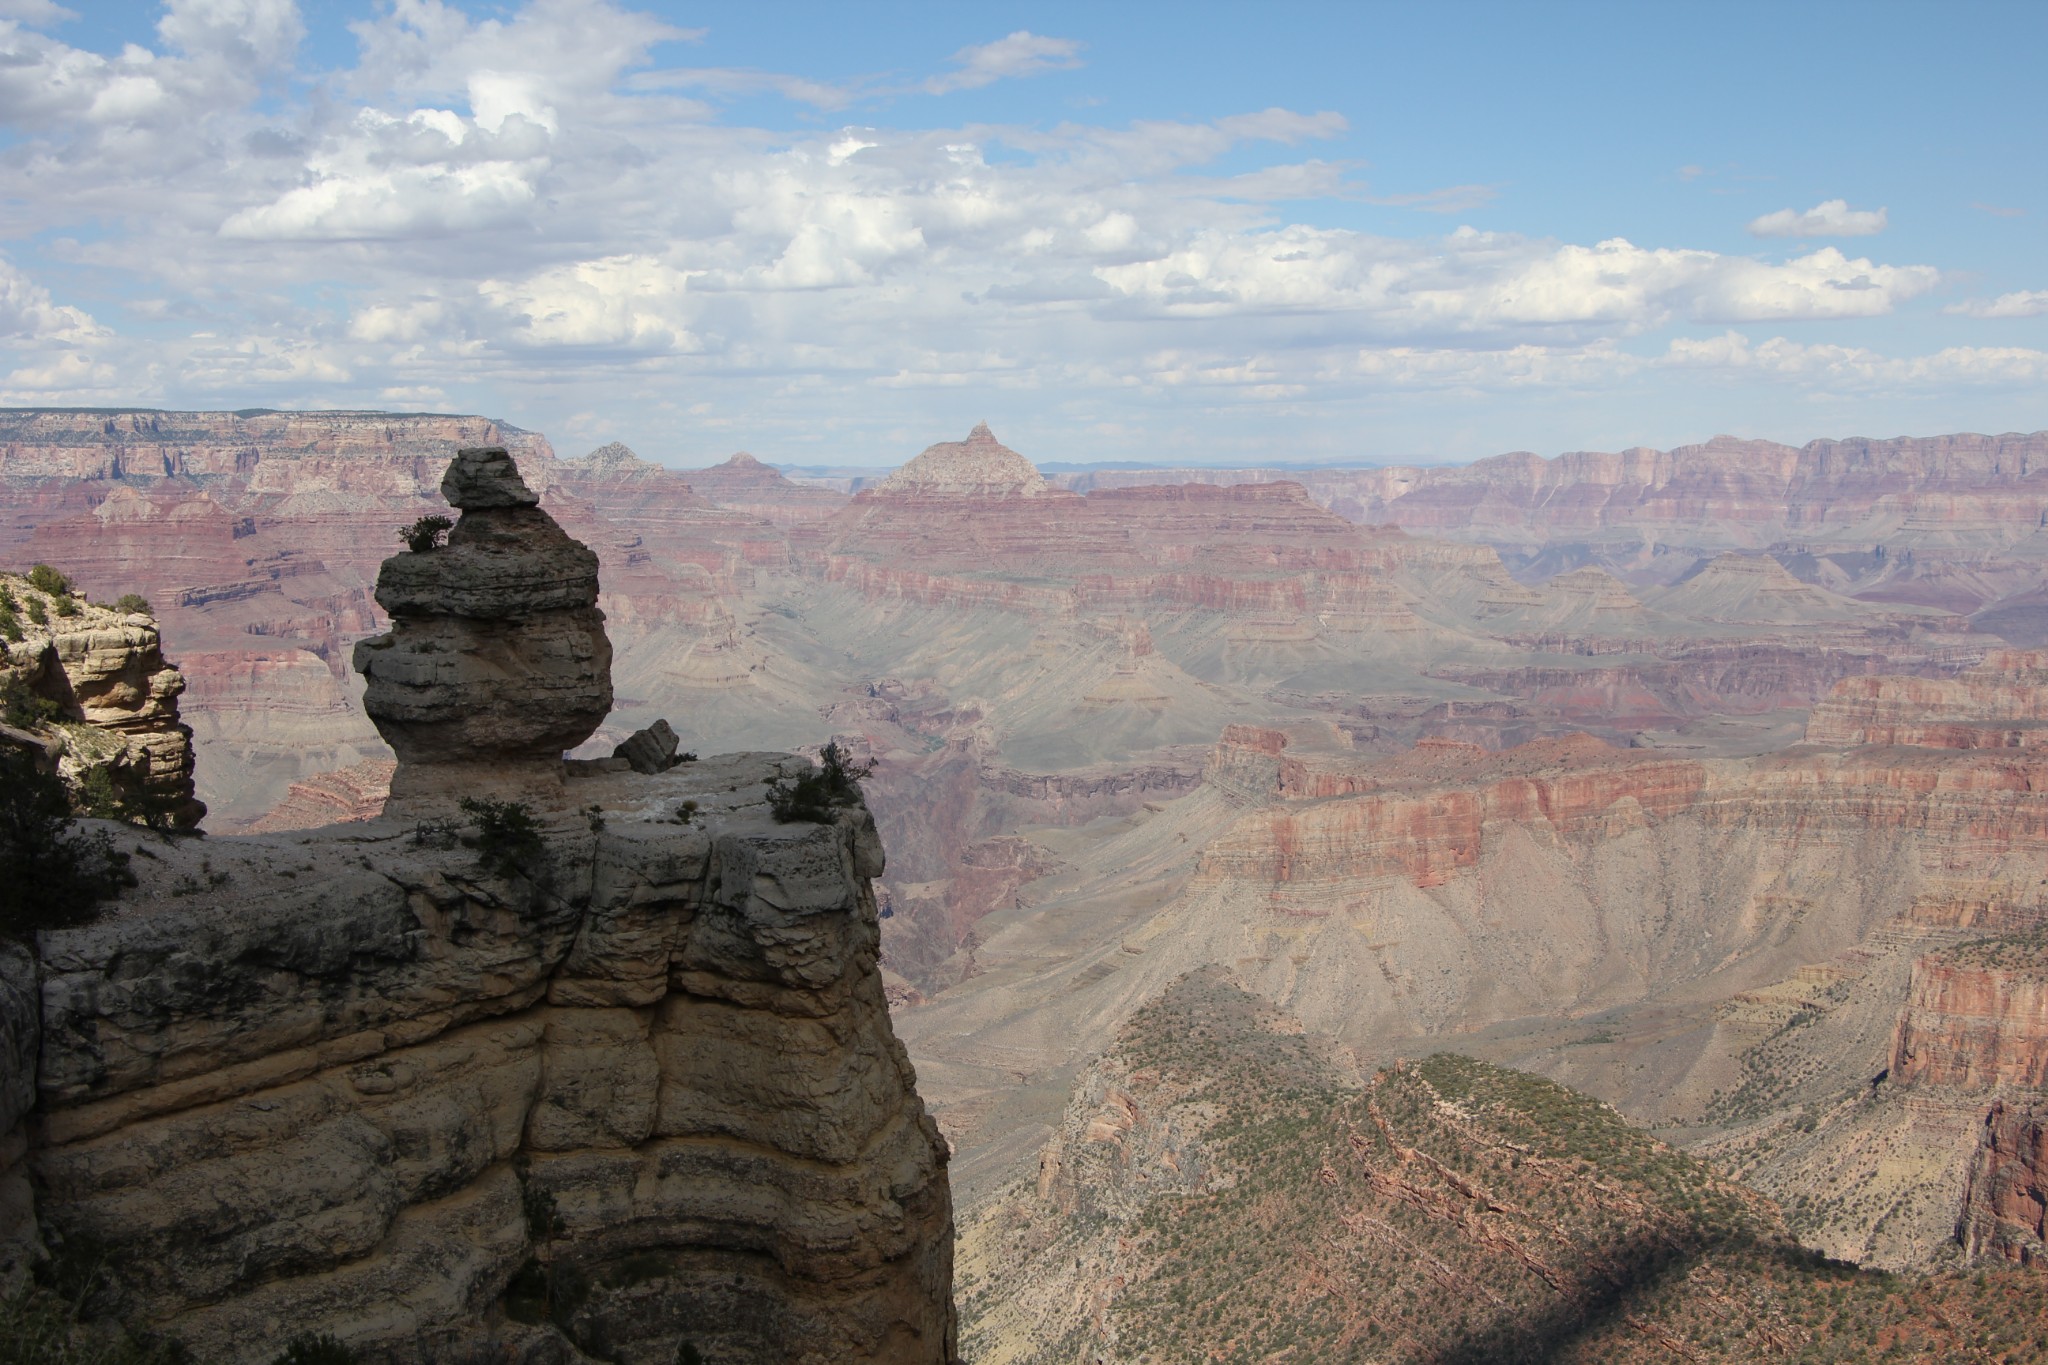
{"x": 595, "y": 1076}
{"x": 1954, "y": 521}
{"x": 86, "y": 686}
{"x": 1221, "y": 1187}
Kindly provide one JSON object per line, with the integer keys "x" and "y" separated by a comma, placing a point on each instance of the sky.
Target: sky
{"x": 831, "y": 234}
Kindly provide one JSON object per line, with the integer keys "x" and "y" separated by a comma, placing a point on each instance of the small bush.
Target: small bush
{"x": 507, "y": 839}
{"x": 22, "y": 707}
{"x": 817, "y": 794}
{"x": 688, "y": 1354}
{"x": 43, "y": 578}
{"x": 37, "y": 616}
{"x": 131, "y": 603}
{"x": 686, "y": 812}
{"x": 67, "y": 605}
{"x": 426, "y": 534}
{"x": 50, "y": 877}
{"x": 311, "y": 1348}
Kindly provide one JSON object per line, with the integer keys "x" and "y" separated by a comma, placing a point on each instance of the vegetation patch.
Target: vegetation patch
{"x": 817, "y": 796}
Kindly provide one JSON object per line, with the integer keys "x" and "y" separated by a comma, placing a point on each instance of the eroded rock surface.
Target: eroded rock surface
{"x": 351, "y": 1082}
{"x": 115, "y": 699}
{"x": 497, "y": 652}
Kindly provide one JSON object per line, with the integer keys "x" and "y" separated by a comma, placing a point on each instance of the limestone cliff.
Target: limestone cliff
{"x": 590, "y": 1092}
{"x": 106, "y": 699}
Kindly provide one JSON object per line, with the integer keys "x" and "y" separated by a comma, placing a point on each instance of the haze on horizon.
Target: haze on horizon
{"x": 1174, "y": 234}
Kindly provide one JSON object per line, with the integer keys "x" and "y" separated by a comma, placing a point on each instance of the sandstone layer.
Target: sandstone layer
{"x": 638, "y": 1090}
{"x": 497, "y": 653}
{"x": 112, "y": 697}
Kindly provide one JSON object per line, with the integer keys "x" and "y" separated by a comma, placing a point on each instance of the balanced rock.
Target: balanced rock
{"x": 652, "y": 750}
{"x": 497, "y": 652}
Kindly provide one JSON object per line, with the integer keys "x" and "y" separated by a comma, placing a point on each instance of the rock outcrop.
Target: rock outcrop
{"x": 607, "y": 1080}
{"x": 111, "y": 698}
{"x": 978, "y": 467}
{"x": 497, "y": 660}
{"x": 1976, "y": 1018}
{"x": 2005, "y": 1206}
{"x": 638, "y": 1090}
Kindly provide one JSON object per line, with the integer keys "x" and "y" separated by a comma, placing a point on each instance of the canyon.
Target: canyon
{"x": 1704, "y": 782}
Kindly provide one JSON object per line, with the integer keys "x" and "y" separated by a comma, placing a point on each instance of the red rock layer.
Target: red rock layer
{"x": 342, "y": 796}
{"x": 2005, "y": 1206}
{"x": 1976, "y": 1018}
{"x": 1994, "y": 485}
{"x": 744, "y": 484}
{"x": 2000, "y": 704}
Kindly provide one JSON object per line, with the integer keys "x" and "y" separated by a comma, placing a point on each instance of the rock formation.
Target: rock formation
{"x": 745, "y": 484}
{"x": 2005, "y": 1206}
{"x": 497, "y": 660}
{"x": 980, "y": 467}
{"x": 623, "y": 1086}
{"x": 113, "y": 700}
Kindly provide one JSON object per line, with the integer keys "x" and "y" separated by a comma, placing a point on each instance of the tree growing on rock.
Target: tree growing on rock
{"x": 425, "y": 534}
{"x": 50, "y": 876}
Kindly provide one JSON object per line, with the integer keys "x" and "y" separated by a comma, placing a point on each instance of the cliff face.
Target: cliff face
{"x": 1976, "y": 1018}
{"x": 2005, "y": 1207}
{"x": 113, "y": 696}
{"x": 350, "y": 1082}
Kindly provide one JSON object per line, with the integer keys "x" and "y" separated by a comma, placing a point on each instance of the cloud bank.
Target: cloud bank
{"x": 523, "y": 214}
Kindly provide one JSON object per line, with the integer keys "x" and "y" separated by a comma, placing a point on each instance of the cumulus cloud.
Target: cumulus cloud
{"x": 1022, "y": 53}
{"x": 1854, "y": 367}
{"x": 1832, "y": 218}
{"x": 2028, "y": 303}
{"x": 523, "y": 209}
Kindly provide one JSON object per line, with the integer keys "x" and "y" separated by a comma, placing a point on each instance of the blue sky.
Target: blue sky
{"x": 1204, "y": 233}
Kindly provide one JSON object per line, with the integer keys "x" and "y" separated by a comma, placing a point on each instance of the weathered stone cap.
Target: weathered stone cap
{"x": 484, "y": 476}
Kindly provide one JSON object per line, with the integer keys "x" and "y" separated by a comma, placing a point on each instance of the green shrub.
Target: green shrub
{"x": 43, "y": 578}
{"x": 425, "y": 534}
{"x": 507, "y": 839}
{"x": 37, "y": 616}
{"x": 131, "y": 603}
{"x": 50, "y": 877}
{"x": 817, "y": 794}
{"x": 67, "y": 605}
{"x": 22, "y": 707}
{"x": 688, "y": 1354}
{"x": 311, "y": 1348}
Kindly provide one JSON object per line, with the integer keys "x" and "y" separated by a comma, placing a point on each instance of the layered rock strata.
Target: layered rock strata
{"x": 2005, "y": 1205}
{"x": 497, "y": 657}
{"x": 115, "y": 699}
{"x": 640, "y": 1090}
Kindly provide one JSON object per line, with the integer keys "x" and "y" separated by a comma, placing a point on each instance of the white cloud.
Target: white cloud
{"x": 519, "y": 211}
{"x": 27, "y": 316}
{"x": 2028, "y": 303}
{"x": 1022, "y": 53}
{"x": 1853, "y": 367}
{"x": 1833, "y": 218}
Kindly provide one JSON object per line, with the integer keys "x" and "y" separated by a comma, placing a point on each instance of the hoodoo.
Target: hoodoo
{"x": 497, "y": 660}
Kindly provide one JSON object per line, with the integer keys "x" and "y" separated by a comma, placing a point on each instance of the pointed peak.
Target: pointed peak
{"x": 980, "y": 466}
